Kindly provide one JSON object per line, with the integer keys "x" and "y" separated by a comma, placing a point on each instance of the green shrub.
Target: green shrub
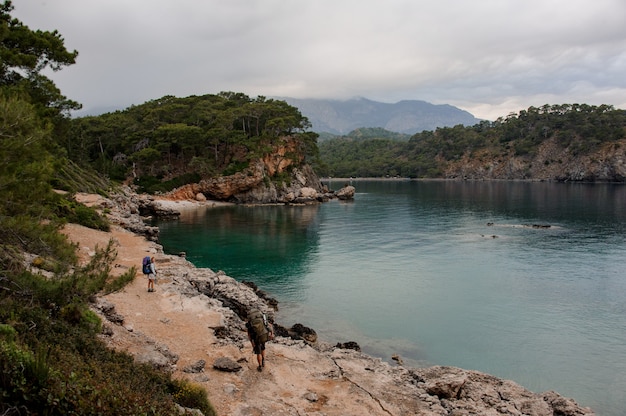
{"x": 154, "y": 184}
{"x": 26, "y": 234}
{"x": 48, "y": 265}
{"x": 24, "y": 375}
{"x": 192, "y": 396}
{"x": 92, "y": 321}
{"x": 77, "y": 213}
{"x": 235, "y": 167}
{"x": 7, "y": 333}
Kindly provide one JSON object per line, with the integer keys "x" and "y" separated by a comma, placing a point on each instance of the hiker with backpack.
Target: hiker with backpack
{"x": 149, "y": 270}
{"x": 259, "y": 332}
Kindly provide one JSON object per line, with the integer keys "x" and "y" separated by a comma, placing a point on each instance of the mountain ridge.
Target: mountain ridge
{"x": 340, "y": 117}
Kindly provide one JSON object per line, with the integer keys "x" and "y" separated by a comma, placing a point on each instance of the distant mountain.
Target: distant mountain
{"x": 409, "y": 117}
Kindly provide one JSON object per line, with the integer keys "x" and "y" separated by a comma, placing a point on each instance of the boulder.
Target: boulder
{"x": 307, "y": 192}
{"x": 154, "y": 358}
{"x": 299, "y": 331}
{"x": 350, "y": 345}
{"x": 196, "y": 367}
{"x": 347, "y": 192}
{"x": 226, "y": 364}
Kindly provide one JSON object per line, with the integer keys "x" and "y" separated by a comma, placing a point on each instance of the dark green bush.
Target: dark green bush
{"x": 75, "y": 212}
{"x": 154, "y": 184}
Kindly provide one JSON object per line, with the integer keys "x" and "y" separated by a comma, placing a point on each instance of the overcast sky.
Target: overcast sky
{"x": 489, "y": 57}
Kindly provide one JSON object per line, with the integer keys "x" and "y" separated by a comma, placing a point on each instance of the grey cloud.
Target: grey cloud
{"x": 488, "y": 57}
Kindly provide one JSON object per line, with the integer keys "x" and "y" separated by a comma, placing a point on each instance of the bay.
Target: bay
{"x": 521, "y": 280}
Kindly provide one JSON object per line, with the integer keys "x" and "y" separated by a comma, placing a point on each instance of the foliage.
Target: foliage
{"x": 192, "y": 396}
{"x": 26, "y": 164}
{"x": 72, "y": 211}
{"x": 85, "y": 380}
{"x": 365, "y": 158}
{"x": 70, "y": 177}
{"x": 51, "y": 360}
{"x": 377, "y": 133}
{"x": 171, "y": 137}
{"x": 153, "y": 184}
{"x": 118, "y": 283}
{"x": 24, "y": 55}
{"x": 580, "y": 128}
{"x": 53, "y": 363}
{"x": 22, "y": 234}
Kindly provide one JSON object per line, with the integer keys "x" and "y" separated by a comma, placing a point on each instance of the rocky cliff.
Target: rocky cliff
{"x": 607, "y": 163}
{"x": 280, "y": 176}
{"x": 254, "y": 186}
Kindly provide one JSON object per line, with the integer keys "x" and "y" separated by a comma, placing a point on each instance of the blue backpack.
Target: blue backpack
{"x": 146, "y": 265}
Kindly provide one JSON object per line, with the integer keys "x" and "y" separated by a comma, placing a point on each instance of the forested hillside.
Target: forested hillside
{"x": 171, "y": 141}
{"x": 552, "y": 142}
{"x": 51, "y": 361}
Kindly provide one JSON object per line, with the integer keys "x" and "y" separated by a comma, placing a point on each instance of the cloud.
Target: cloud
{"x": 489, "y": 57}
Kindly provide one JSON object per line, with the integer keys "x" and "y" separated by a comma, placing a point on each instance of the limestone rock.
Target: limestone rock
{"x": 551, "y": 162}
{"x": 108, "y": 309}
{"x": 312, "y": 397}
{"x": 196, "y": 367}
{"x": 347, "y": 192}
{"x": 154, "y": 358}
{"x": 307, "y": 192}
{"x": 226, "y": 364}
{"x": 252, "y": 187}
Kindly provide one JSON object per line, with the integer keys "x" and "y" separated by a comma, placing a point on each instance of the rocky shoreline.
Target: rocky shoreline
{"x": 193, "y": 327}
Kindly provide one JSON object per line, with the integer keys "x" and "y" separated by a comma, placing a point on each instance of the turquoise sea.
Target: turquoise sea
{"x": 525, "y": 281}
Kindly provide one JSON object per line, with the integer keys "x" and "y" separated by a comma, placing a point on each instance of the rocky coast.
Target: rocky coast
{"x": 193, "y": 326}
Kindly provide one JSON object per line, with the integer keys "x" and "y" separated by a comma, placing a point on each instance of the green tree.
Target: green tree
{"x": 24, "y": 54}
{"x": 25, "y": 165}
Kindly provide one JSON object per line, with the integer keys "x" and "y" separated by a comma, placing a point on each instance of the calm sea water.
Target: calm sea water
{"x": 448, "y": 273}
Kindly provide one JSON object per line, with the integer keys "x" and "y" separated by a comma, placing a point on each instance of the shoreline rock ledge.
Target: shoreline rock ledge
{"x": 195, "y": 318}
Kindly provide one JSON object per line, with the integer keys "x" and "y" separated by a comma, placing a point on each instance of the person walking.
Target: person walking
{"x": 152, "y": 275}
{"x": 258, "y": 334}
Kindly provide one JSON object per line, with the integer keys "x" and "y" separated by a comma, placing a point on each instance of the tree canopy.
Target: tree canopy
{"x": 24, "y": 55}
{"x": 205, "y": 135}
{"x": 577, "y": 127}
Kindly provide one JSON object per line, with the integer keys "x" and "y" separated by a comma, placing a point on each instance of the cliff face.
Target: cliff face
{"x": 255, "y": 184}
{"x": 550, "y": 162}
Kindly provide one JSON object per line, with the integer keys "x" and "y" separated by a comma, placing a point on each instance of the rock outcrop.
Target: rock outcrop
{"x": 347, "y": 192}
{"x": 551, "y": 162}
{"x": 253, "y": 186}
